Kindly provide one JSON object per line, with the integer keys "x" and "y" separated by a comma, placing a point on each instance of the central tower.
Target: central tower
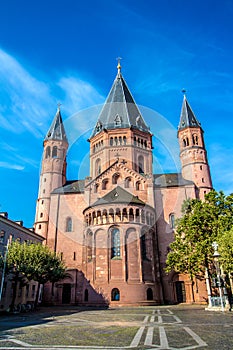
{"x": 120, "y": 133}
{"x": 120, "y": 249}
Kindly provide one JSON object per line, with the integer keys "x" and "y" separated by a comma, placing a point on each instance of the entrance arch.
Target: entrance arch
{"x": 149, "y": 294}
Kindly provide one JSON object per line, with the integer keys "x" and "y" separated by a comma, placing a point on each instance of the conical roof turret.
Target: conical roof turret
{"x": 120, "y": 109}
{"x": 56, "y": 130}
{"x": 187, "y": 117}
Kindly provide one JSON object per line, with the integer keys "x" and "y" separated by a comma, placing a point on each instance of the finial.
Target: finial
{"x": 119, "y": 64}
{"x": 58, "y": 106}
{"x": 183, "y": 92}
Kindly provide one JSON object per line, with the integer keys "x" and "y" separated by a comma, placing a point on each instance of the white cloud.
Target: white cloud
{"x": 11, "y": 166}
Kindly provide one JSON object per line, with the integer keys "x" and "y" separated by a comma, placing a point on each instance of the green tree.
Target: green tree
{"x": 202, "y": 222}
{"x": 45, "y": 266}
{"x": 17, "y": 266}
{"x": 225, "y": 249}
{"x": 32, "y": 261}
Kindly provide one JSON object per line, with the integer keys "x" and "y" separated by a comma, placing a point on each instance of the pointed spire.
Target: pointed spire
{"x": 187, "y": 117}
{"x": 57, "y": 130}
{"x": 120, "y": 109}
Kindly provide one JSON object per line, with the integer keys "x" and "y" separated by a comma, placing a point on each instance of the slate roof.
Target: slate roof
{"x": 120, "y": 109}
{"x": 56, "y": 130}
{"x": 74, "y": 186}
{"x": 187, "y": 117}
{"x": 171, "y": 180}
{"x": 118, "y": 195}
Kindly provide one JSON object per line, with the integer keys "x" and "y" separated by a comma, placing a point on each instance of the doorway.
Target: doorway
{"x": 180, "y": 292}
{"x": 66, "y": 293}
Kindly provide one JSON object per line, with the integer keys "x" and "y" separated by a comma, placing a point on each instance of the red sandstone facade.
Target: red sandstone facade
{"x": 114, "y": 228}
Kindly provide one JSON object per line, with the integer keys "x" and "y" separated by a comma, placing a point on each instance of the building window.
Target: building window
{"x": 115, "y": 294}
{"x": 74, "y": 256}
{"x": 124, "y": 140}
{"x": 44, "y": 179}
{"x": 69, "y": 224}
{"x": 195, "y": 139}
{"x": 97, "y": 167}
{"x": 143, "y": 246}
{"x": 96, "y": 187}
{"x": 89, "y": 245}
{"x": 115, "y": 178}
{"x": 47, "y": 152}
{"x": 185, "y": 142}
{"x": 111, "y": 141}
{"x": 116, "y": 243}
{"x": 2, "y": 236}
{"x": 138, "y": 186}
{"x": 39, "y": 226}
{"x": 203, "y": 180}
{"x": 61, "y": 255}
{"x": 105, "y": 185}
{"x": 128, "y": 181}
{"x": 41, "y": 215}
{"x": 172, "y": 220}
{"x": 141, "y": 165}
{"x": 54, "y": 152}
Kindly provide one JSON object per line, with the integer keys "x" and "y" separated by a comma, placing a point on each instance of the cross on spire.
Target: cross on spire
{"x": 119, "y": 64}
{"x": 58, "y": 105}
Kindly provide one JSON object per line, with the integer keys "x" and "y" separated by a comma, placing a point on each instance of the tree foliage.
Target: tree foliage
{"x": 202, "y": 223}
{"x": 26, "y": 262}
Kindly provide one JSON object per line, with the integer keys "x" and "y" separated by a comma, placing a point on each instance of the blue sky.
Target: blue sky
{"x": 65, "y": 51}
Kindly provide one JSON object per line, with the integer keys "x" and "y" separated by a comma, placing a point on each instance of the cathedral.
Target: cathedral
{"x": 113, "y": 228}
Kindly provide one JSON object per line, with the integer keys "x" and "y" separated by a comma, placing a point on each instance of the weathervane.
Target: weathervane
{"x": 183, "y": 91}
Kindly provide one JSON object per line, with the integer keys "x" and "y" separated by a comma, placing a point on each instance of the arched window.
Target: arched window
{"x": 89, "y": 245}
{"x": 149, "y": 294}
{"x": 185, "y": 142}
{"x": 141, "y": 164}
{"x": 96, "y": 187}
{"x": 97, "y": 167}
{"x": 120, "y": 140}
{"x": 115, "y": 294}
{"x": 143, "y": 246}
{"x": 115, "y": 178}
{"x": 172, "y": 220}
{"x": 124, "y": 140}
{"x": 47, "y": 152}
{"x": 69, "y": 225}
{"x": 115, "y": 140}
{"x": 86, "y": 295}
{"x": 116, "y": 243}
{"x": 135, "y": 141}
{"x": 105, "y": 184}
{"x": 138, "y": 186}
{"x": 128, "y": 181}
{"x": 111, "y": 141}
{"x": 54, "y": 152}
{"x": 131, "y": 214}
{"x": 195, "y": 139}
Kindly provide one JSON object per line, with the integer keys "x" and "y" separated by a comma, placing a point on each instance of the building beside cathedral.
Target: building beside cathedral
{"x": 113, "y": 228}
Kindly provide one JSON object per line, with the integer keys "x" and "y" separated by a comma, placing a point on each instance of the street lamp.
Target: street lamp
{"x": 216, "y": 256}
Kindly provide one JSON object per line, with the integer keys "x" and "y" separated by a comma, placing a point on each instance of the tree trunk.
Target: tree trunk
{"x": 15, "y": 282}
{"x": 231, "y": 282}
{"x": 37, "y": 295}
{"x": 192, "y": 287}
